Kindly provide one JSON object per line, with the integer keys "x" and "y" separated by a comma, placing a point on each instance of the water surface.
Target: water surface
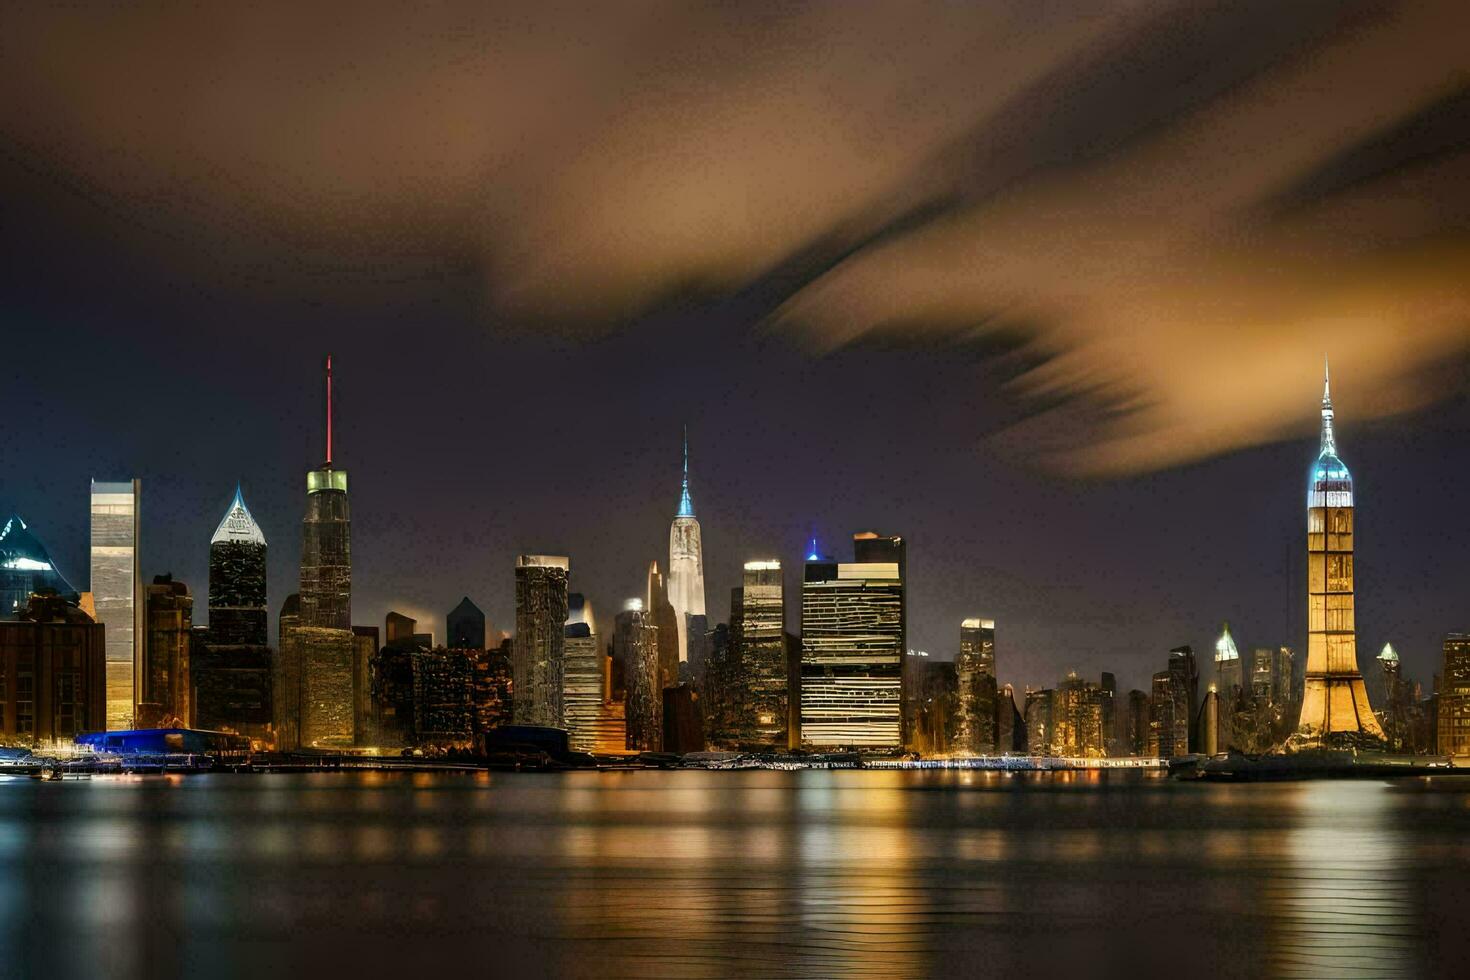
{"x": 714, "y": 874}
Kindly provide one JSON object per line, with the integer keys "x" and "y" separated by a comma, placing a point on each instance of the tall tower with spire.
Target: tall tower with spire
{"x": 686, "y": 565}
{"x": 237, "y": 613}
{"x": 1335, "y": 711}
{"x": 314, "y": 690}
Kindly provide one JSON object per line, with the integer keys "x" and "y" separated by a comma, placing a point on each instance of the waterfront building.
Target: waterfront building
{"x": 364, "y": 649}
{"x": 232, "y": 687}
{"x": 635, "y": 646}
{"x": 1170, "y": 713}
{"x": 1453, "y": 703}
{"x": 464, "y": 627}
{"x": 1077, "y": 719}
{"x": 491, "y": 702}
{"x": 443, "y": 715}
{"x": 1112, "y": 736}
{"x": 934, "y": 689}
{"x": 686, "y": 569}
{"x": 1038, "y": 715}
{"x": 541, "y": 616}
{"x": 975, "y": 716}
{"x": 721, "y": 677}
{"x": 852, "y": 648}
{"x": 237, "y": 578}
{"x": 683, "y": 726}
{"x": 1394, "y": 703}
{"x": 660, "y": 613}
{"x": 25, "y": 568}
{"x": 1137, "y": 727}
{"x": 1185, "y": 692}
{"x": 1010, "y": 725}
{"x": 1335, "y": 710}
{"x": 760, "y": 687}
{"x": 320, "y": 648}
{"x": 166, "y": 683}
{"x": 117, "y": 593}
{"x": 582, "y": 675}
{"x": 286, "y": 686}
{"x": 53, "y": 673}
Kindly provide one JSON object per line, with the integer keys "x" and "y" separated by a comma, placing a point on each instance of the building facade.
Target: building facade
{"x": 237, "y": 578}
{"x": 117, "y": 594}
{"x": 760, "y": 689}
{"x": 166, "y": 675}
{"x": 852, "y": 650}
{"x": 1453, "y": 711}
{"x": 1335, "y": 710}
{"x": 539, "y": 651}
{"x": 635, "y": 647}
{"x": 582, "y": 675}
{"x": 53, "y": 673}
{"x": 976, "y": 715}
{"x": 464, "y": 627}
{"x": 686, "y": 568}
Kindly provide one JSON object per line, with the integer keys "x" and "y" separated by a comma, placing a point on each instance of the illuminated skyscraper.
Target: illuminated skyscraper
{"x": 1335, "y": 710}
{"x": 852, "y": 648}
{"x": 117, "y": 590}
{"x": 319, "y": 651}
{"x": 975, "y": 722}
{"x": 761, "y": 688}
{"x": 582, "y": 675}
{"x": 635, "y": 648}
{"x": 686, "y": 566}
{"x": 1453, "y": 719}
{"x": 538, "y": 653}
{"x": 26, "y": 567}
{"x": 166, "y": 682}
{"x": 1229, "y": 671}
{"x": 237, "y": 595}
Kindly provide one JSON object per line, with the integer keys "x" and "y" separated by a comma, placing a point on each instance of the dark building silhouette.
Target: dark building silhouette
{"x": 635, "y": 646}
{"x": 53, "y": 673}
{"x": 934, "y": 691}
{"x": 660, "y": 612}
{"x": 1010, "y": 725}
{"x": 464, "y": 627}
{"x": 169, "y": 611}
{"x": 682, "y": 723}
{"x": 26, "y": 567}
{"x": 364, "y": 649}
{"x": 539, "y": 651}
{"x": 1137, "y": 725}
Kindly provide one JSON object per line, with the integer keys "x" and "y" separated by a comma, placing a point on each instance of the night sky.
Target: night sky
{"x": 1043, "y": 287}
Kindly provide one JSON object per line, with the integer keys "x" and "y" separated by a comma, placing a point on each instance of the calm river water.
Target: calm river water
{"x": 714, "y": 874}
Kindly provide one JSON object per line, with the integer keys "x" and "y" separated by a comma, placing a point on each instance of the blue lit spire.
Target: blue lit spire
{"x": 1329, "y": 441}
{"x": 812, "y": 553}
{"x": 686, "y": 506}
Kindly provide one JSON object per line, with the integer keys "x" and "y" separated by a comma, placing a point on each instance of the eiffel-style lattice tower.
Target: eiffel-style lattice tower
{"x": 1335, "y": 711}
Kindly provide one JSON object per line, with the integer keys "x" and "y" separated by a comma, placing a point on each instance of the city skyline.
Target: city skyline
{"x": 1022, "y": 666}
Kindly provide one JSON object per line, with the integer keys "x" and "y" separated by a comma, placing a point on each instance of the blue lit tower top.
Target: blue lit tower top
{"x": 686, "y": 506}
{"x": 1331, "y": 484}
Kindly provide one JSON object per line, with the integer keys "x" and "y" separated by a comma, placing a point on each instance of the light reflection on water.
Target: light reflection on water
{"x": 816, "y": 873}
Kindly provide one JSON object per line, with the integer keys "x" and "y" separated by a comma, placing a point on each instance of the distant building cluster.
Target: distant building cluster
{"x": 657, "y": 676}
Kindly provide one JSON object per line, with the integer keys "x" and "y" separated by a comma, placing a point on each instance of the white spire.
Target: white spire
{"x": 238, "y": 525}
{"x": 1225, "y": 646}
{"x": 1329, "y": 440}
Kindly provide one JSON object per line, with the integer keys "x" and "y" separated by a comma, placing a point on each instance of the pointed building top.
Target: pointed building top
{"x": 1225, "y": 645}
{"x": 238, "y": 524}
{"x": 686, "y": 506}
{"x": 329, "y": 412}
{"x": 1329, "y": 439}
{"x": 1388, "y": 654}
{"x": 812, "y": 553}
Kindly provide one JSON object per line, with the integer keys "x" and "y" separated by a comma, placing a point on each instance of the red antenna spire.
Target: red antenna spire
{"x": 329, "y": 410}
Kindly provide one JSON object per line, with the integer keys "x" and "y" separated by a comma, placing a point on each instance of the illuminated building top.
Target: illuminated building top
{"x": 1331, "y": 484}
{"x": 1388, "y": 654}
{"x": 1225, "y": 646}
{"x": 238, "y": 525}
{"x": 686, "y": 506}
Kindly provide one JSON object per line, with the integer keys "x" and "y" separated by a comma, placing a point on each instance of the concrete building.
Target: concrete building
{"x": 760, "y": 689}
{"x": 635, "y": 647}
{"x": 117, "y": 594}
{"x": 582, "y": 675}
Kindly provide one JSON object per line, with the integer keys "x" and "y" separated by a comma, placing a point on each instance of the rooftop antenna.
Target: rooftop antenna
{"x": 329, "y": 411}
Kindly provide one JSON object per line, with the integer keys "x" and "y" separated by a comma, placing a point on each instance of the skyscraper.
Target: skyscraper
{"x": 1392, "y": 705}
{"x": 582, "y": 675}
{"x": 166, "y": 684}
{"x": 1229, "y": 671}
{"x": 852, "y": 648}
{"x": 660, "y": 612}
{"x": 538, "y": 652}
{"x": 464, "y": 627}
{"x": 1184, "y": 689}
{"x": 975, "y": 723}
{"x": 319, "y": 650}
{"x": 237, "y": 594}
{"x": 117, "y": 590}
{"x": 761, "y": 706}
{"x": 52, "y": 661}
{"x": 635, "y": 647}
{"x": 26, "y": 567}
{"x": 686, "y": 565}
{"x": 1335, "y": 710}
{"x": 1454, "y": 696}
